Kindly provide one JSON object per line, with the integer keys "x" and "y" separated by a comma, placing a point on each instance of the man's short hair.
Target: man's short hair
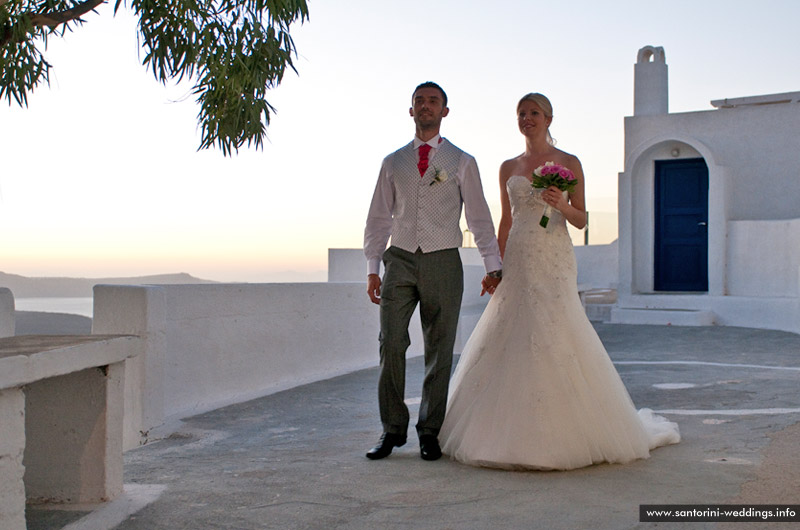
{"x": 431, "y": 84}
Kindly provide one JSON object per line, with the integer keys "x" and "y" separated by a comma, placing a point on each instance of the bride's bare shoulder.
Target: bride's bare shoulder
{"x": 566, "y": 159}
{"x": 510, "y": 167}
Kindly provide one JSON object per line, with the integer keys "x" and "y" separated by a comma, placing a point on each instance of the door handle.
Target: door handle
{"x": 702, "y": 223}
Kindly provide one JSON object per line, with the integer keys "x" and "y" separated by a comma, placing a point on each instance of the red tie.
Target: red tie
{"x": 424, "y": 149}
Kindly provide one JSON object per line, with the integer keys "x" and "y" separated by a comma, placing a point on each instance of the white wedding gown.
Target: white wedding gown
{"x": 534, "y": 387}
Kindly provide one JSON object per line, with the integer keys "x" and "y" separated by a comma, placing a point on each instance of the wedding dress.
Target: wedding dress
{"x": 534, "y": 387}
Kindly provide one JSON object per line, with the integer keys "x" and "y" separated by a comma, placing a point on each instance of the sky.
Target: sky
{"x": 100, "y": 175}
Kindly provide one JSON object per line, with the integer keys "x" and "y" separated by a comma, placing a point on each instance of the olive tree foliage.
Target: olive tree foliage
{"x": 233, "y": 51}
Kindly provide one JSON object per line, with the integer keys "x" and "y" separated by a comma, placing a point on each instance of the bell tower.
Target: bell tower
{"x": 650, "y": 88}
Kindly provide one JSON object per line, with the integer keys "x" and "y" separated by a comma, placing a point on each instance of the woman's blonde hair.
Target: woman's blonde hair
{"x": 544, "y": 104}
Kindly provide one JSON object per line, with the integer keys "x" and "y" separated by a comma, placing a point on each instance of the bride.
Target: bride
{"x": 534, "y": 387}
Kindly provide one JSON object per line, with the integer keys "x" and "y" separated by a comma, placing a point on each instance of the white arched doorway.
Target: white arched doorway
{"x": 672, "y": 191}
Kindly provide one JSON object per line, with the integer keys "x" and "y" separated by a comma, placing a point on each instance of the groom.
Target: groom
{"x": 417, "y": 201}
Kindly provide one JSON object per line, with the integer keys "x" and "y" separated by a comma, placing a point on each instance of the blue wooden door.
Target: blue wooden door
{"x": 681, "y": 225}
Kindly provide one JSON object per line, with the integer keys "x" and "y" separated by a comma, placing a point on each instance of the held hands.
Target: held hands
{"x": 489, "y": 284}
{"x": 374, "y": 288}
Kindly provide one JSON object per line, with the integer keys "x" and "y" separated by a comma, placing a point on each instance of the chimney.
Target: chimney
{"x": 650, "y": 90}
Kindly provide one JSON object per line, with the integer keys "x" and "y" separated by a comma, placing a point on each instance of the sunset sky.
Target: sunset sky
{"x": 100, "y": 175}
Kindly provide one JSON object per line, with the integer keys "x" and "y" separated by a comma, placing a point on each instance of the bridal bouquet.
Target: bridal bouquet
{"x": 551, "y": 174}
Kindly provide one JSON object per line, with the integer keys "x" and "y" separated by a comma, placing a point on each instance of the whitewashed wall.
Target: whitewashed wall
{"x": 137, "y": 310}
{"x": 350, "y": 264}
{"x": 755, "y": 144}
{"x": 764, "y": 258}
{"x": 598, "y": 266}
{"x": 7, "y": 320}
{"x": 208, "y": 346}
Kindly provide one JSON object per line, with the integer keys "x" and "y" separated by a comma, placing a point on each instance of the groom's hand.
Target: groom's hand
{"x": 489, "y": 284}
{"x": 374, "y": 288}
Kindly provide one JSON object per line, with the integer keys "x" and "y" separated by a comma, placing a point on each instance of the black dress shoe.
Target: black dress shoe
{"x": 429, "y": 447}
{"x": 384, "y": 448}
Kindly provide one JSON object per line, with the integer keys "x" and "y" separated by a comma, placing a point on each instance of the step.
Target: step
{"x": 599, "y": 312}
{"x": 663, "y": 317}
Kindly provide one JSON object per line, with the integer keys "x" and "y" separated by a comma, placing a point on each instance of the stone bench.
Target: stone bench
{"x": 583, "y": 288}
{"x": 61, "y": 413}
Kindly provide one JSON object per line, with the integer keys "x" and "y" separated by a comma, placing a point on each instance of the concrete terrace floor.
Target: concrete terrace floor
{"x": 295, "y": 460}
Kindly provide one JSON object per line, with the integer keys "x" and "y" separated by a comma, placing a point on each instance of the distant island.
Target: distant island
{"x": 25, "y": 287}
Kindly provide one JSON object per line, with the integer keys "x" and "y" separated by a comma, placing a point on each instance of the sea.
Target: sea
{"x": 75, "y": 306}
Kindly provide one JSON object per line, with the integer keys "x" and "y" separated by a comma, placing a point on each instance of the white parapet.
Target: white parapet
{"x": 598, "y": 265}
{"x": 207, "y": 346}
{"x": 141, "y": 311}
{"x": 662, "y": 317}
{"x": 12, "y": 448}
{"x": 7, "y": 320}
{"x": 763, "y": 258}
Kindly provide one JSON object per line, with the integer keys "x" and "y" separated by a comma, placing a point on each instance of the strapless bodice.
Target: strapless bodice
{"x": 527, "y": 205}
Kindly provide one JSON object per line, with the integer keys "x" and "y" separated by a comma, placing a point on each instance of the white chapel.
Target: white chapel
{"x": 709, "y": 209}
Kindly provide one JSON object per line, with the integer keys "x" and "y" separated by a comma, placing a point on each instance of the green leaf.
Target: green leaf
{"x": 233, "y": 50}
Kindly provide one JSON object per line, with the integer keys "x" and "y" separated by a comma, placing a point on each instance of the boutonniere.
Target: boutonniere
{"x": 439, "y": 175}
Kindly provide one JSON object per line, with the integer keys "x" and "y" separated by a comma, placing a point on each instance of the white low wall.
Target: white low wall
{"x": 228, "y": 343}
{"x": 7, "y": 320}
{"x": 347, "y": 265}
{"x": 208, "y": 346}
{"x": 759, "y": 312}
{"x": 764, "y": 258}
{"x": 598, "y": 268}
{"x": 137, "y": 310}
{"x": 782, "y": 314}
{"x": 598, "y": 265}
{"x": 350, "y": 264}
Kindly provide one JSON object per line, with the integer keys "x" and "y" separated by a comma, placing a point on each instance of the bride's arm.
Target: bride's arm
{"x": 505, "y": 218}
{"x": 574, "y": 209}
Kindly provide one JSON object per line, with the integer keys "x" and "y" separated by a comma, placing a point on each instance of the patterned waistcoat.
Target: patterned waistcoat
{"x": 427, "y": 211}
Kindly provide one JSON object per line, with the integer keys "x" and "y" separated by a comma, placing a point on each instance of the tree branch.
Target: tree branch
{"x": 61, "y": 17}
{"x": 50, "y": 19}
{"x": 5, "y": 35}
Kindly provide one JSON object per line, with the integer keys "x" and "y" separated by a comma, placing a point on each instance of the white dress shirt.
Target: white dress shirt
{"x": 424, "y": 212}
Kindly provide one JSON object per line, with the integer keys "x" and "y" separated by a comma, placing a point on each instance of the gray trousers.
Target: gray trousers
{"x": 435, "y": 281}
